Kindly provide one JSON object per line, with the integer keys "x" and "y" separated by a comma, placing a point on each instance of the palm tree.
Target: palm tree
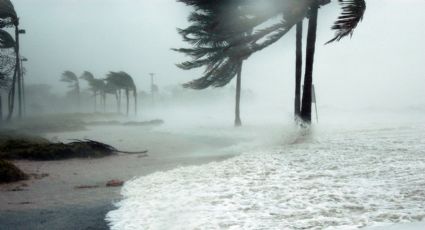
{"x": 123, "y": 81}
{"x": 111, "y": 88}
{"x": 298, "y": 68}
{"x": 74, "y": 83}
{"x": 353, "y": 11}
{"x": 7, "y": 65}
{"x": 97, "y": 86}
{"x": 209, "y": 49}
{"x": 230, "y": 32}
{"x": 8, "y": 18}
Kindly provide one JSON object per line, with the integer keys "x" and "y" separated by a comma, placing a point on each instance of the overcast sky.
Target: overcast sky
{"x": 381, "y": 65}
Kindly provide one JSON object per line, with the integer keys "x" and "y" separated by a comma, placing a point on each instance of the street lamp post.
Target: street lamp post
{"x": 23, "y": 84}
{"x": 19, "y": 72}
{"x": 152, "y": 86}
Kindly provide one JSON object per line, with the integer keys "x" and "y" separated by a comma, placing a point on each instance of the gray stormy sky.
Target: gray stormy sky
{"x": 381, "y": 65}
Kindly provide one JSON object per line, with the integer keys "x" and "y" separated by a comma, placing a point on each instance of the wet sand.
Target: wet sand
{"x": 54, "y": 202}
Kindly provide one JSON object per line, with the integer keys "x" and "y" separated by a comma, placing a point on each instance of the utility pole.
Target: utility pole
{"x": 152, "y": 86}
{"x": 23, "y": 84}
{"x": 19, "y": 72}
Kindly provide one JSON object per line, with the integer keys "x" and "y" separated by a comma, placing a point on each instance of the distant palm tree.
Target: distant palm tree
{"x": 8, "y": 17}
{"x": 97, "y": 86}
{"x": 123, "y": 81}
{"x": 111, "y": 88}
{"x": 7, "y": 64}
{"x": 74, "y": 83}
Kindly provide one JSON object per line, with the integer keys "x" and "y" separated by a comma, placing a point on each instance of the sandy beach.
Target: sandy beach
{"x": 53, "y": 201}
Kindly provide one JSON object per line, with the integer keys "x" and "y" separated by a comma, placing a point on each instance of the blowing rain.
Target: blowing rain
{"x": 212, "y": 114}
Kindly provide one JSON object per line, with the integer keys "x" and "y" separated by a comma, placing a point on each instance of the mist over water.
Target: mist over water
{"x": 361, "y": 163}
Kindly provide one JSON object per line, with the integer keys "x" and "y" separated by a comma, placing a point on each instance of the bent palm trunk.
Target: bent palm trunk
{"x": 308, "y": 78}
{"x": 104, "y": 101}
{"x": 135, "y": 100}
{"x": 298, "y": 69}
{"x": 127, "y": 99}
{"x": 238, "y": 121}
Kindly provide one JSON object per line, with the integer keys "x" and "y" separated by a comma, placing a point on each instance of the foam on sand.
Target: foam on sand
{"x": 340, "y": 179}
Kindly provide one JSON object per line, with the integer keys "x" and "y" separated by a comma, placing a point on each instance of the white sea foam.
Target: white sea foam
{"x": 340, "y": 179}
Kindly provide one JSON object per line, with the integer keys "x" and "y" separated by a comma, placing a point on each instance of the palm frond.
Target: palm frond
{"x": 352, "y": 14}
{"x": 8, "y": 11}
{"x": 6, "y": 40}
{"x": 69, "y": 77}
{"x": 87, "y": 76}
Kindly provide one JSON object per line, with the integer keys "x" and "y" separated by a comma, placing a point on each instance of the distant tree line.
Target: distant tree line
{"x": 115, "y": 83}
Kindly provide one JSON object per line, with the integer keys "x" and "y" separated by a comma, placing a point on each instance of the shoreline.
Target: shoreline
{"x": 54, "y": 202}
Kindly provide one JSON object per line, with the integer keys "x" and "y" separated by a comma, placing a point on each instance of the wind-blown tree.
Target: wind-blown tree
{"x": 123, "y": 81}
{"x": 73, "y": 83}
{"x": 231, "y": 32}
{"x": 9, "y": 18}
{"x": 7, "y": 64}
{"x": 352, "y": 14}
{"x": 298, "y": 69}
{"x": 111, "y": 88}
{"x": 97, "y": 86}
{"x": 208, "y": 47}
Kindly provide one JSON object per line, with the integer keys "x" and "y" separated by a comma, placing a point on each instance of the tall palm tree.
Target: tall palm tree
{"x": 111, "y": 88}
{"x": 8, "y": 17}
{"x": 97, "y": 86}
{"x": 230, "y": 32}
{"x": 74, "y": 83}
{"x": 308, "y": 77}
{"x": 123, "y": 81}
{"x": 7, "y": 65}
{"x": 210, "y": 48}
{"x": 298, "y": 68}
{"x": 353, "y": 11}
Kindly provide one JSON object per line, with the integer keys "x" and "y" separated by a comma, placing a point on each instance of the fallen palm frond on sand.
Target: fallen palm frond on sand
{"x": 20, "y": 147}
{"x": 28, "y": 149}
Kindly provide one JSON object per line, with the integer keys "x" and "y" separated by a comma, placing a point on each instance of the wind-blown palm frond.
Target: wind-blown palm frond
{"x": 87, "y": 76}
{"x": 6, "y": 40}
{"x": 96, "y": 85}
{"x": 218, "y": 75}
{"x": 352, "y": 14}
{"x": 121, "y": 79}
{"x": 7, "y": 10}
{"x": 69, "y": 77}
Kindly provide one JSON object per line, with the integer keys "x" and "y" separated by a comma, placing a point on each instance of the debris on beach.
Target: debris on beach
{"x": 129, "y": 123}
{"x": 44, "y": 150}
{"x": 144, "y": 123}
{"x": 114, "y": 183}
{"x": 38, "y": 176}
{"x": 10, "y": 173}
{"x": 86, "y": 186}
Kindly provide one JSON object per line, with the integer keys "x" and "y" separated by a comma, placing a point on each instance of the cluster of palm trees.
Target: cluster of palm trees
{"x": 115, "y": 83}
{"x": 11, "y": 77}
{"x": 223, "y": 33}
